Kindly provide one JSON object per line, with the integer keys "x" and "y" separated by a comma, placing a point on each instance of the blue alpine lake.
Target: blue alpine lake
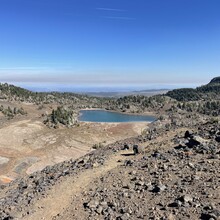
{"x": 108, "y": 116}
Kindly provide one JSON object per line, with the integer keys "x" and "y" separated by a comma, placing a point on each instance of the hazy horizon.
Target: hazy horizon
{"x": 36, "y": 87}
{"x": 111, "y": 42}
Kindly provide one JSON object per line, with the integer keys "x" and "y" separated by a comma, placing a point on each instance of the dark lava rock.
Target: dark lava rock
{"x": 215, "y": 214}
{"x": 128, "y": 162}
{"x": 217, "y": 138}
{"x": 159, "y": 188}
{"x": 126, "y": 147}
{"x": 187, "y": 134}
{"x": 186, "y": 198}
{"x": 156, "y": 154}
{"x": 135, "y": 149}
{"x": 192, "y": 143}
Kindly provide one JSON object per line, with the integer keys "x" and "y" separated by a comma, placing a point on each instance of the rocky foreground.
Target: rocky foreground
{"x": 176, "y": 175}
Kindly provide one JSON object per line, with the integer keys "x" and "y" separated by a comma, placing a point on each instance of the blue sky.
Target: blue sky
{"x": 109, "y": 42}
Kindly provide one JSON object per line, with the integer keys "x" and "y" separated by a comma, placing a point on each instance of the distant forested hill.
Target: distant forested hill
{"x": 209, "y": 91}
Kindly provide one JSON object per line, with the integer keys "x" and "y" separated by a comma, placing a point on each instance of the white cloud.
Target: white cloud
{"x": 109, "y": 9}
{"x": 119, "y": 18}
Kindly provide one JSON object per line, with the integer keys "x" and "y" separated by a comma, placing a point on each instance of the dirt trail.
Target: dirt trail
{"x": 61, "y": 195}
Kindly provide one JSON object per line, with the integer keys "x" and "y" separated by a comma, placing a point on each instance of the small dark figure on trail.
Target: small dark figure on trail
{"x": 135, "y": 149}
{"x": 126, "y": 147}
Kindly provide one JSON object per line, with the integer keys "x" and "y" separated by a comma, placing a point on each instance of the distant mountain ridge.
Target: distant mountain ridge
{"x": 210, "y": 90}
{"x": 146, "y": 92}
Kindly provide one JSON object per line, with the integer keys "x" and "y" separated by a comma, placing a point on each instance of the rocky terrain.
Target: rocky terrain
{"x": 174, "y": 175}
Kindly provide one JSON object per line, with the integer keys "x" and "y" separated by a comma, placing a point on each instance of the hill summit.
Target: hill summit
{"x": 215, "y": 80}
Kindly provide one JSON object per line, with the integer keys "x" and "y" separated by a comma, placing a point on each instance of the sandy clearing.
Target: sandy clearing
{"x": 29, "y": 138}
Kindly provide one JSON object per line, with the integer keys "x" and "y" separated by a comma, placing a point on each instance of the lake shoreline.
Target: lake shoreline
{"x": 153, "y": 114}
{"x": 151, "y": 118}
